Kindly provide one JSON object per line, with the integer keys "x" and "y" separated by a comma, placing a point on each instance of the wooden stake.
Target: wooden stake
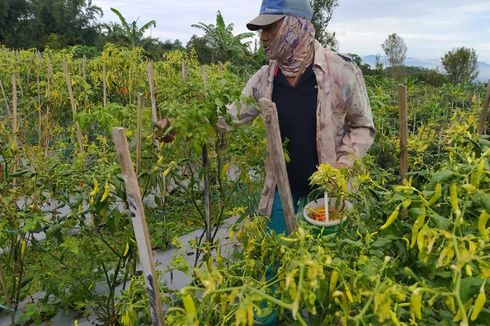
{"x": 276, "y": 155}
{"x": 130, "y": 86}
{"x": 73, "y": 105}
{"x": 151, "y": 82}
{"x": 104, "y": 84}
{"x": 484, "y": 112}
{"x": 84, "y": 76}
{"x": 184, "y": 73}
{"x": 203, "y": 76}
{"x": 139, "y": 224}
{"x": 14, "y": 108}
{"x": 403, "y": 124}
{"x": 40, "y": 111}
{"x": 5, "y": 99}
{"x": 18, "y": 73}
{"x": 205, "y": 164}
{"x": 84, "y": 67}
{"x": 14, "y": 121}
{"x": 48, "y": 90}
{"x": 138, "y": 135}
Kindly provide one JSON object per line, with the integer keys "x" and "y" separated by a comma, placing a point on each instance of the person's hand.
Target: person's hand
{"x": 340, "y": 166}
{"x": 165, "y": 131}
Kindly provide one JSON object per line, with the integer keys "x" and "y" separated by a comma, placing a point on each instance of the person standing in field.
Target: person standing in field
{"x": 322, "y": 103}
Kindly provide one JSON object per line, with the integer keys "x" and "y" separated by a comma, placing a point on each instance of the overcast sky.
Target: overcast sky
{"x": 429, "y": 27}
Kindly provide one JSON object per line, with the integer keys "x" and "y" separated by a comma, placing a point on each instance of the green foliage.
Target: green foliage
{"x": 220, "y": 39}
{"x": 461, "y": 65}
{"x": 80, "y": 51}
{"x": 41, "y": 23}
{"x": 128, "y": 34}
{"x": 322, "y": 13}
{"x": 89, "y": 253}
{"x": 427, "y": 264}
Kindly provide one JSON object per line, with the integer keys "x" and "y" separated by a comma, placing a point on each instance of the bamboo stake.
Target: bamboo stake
{"x": 104, "y": 84}
{"x": 484, "y": 112}
{"x": 276, "y": 155}
{"x": 139, "y": 224}
{"x": 5, "y": 99}
{"x": 73, "y": 105}
{"x": 402, "y": 91}
{"x": 138, "y": 135}
{"x": 151, "y": 82}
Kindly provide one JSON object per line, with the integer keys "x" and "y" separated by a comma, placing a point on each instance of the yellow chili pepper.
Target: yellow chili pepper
{"x": 107, "y": 191}
{"x": 436, "y": 195}
{"x": 416, "y": 304}
{"x": 479, "y": 303}
{"x": 469, "y": 188}
{"x": 333, "y": 282}
{"x": 189, "y": 306}
{"x": 391, "y": 218}
{"x": 348, "y": 293}
{"x": 450, "y": 303}
{"x": 416, "y": 227}
{"x": 453, "y": 198}
{"x": 23, "y": 246}
{"x": 482, "y": 224}
{"x": 475, "y": 176}
{"x": 96, "y": 188}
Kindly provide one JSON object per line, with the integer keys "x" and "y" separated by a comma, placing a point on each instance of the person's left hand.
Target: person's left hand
{"x": 165, "y": 132}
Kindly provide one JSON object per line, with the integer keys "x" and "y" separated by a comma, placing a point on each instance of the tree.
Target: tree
{"x": 74, "y": 22}
{"x": 204, "y": 52}
{"x": 35, "y": 23}
{"x": 225, "y": 46}
{"x": 395, "y": 49}
{"x": 322, "y": 13}
{"x": 128, "y": 34}
{"x": 461, "y": 65}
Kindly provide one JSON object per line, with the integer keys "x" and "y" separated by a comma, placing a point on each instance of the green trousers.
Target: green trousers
{"x": 277, "y": 222}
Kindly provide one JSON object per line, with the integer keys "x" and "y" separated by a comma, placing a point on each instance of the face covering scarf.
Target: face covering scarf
{"x": 293, "y": 45}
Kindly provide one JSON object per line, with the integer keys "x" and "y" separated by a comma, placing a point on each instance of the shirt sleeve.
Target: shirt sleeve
{"x": 359, "y": 124}
{"x": 243, "y": 113}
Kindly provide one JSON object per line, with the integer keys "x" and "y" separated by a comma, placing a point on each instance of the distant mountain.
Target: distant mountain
{"x": 483, "y": 67}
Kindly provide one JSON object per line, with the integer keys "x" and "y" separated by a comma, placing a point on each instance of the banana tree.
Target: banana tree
{"x": 128, "y": 33}
{"x": 220, "y": 38}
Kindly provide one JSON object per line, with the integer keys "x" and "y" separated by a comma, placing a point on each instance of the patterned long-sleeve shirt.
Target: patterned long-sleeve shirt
{"x": 344, "y": 123}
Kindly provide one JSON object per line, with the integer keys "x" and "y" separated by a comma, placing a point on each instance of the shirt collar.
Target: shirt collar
{"x": 320, "y": 59}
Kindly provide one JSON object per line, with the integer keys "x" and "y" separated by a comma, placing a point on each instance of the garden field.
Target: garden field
{"x": 412, "y": 250}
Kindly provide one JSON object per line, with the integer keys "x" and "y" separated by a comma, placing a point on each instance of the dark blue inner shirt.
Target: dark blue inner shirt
{"x": 296, "y": 108}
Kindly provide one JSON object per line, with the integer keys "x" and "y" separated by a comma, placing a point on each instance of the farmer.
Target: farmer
{"x": 322, "y": 103}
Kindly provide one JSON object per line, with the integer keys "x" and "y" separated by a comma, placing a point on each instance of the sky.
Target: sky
{"x": 429, "y": 28}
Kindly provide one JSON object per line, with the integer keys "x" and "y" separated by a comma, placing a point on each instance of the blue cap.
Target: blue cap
{"x": 273, "y": 10}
